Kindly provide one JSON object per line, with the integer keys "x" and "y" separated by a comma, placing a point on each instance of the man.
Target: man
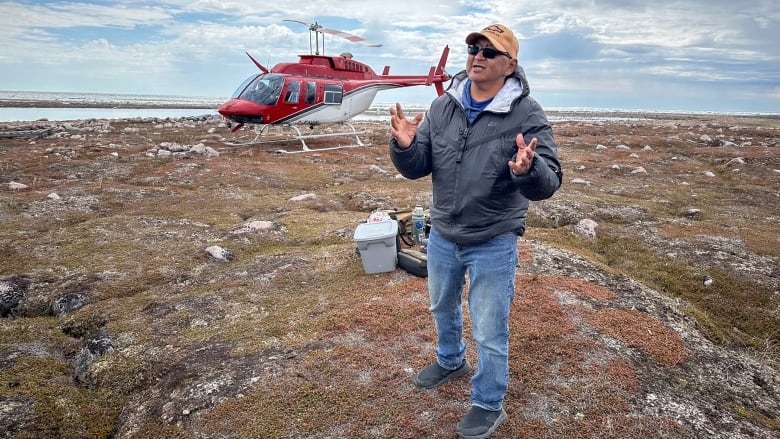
{"x": 489, "y": 149}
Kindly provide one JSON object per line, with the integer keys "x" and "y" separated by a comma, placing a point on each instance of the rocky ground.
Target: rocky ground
{"x": 161, "y": 278}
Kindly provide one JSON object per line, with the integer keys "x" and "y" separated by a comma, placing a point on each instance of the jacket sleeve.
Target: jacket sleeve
{"x": 415, "y": 161}
{"x": 545, "y": 176}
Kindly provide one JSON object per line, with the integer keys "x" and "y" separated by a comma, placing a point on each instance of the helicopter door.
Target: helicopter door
{"x": 311, "y": 92}
{"x": 293, "y": 92}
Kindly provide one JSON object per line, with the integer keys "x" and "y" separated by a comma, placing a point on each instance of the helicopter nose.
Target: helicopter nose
{"x": 241, "y": 111}
{"x": 226, "y": 109}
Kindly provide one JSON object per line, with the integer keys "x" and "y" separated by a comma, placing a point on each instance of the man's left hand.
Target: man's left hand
{"x": 525, "y": 156}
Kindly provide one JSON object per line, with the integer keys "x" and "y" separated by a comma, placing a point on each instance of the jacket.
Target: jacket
{"x": 475, "y": 195}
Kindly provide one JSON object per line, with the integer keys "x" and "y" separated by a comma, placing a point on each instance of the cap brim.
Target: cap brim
{"x": 473, "y": 37}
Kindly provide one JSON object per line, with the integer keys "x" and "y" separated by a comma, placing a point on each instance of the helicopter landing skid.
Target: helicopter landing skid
{"x": 300, "y": 137}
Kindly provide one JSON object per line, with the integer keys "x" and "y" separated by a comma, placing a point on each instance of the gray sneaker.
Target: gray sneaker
{"x": 480, "y": 423}
{"x": 433, "y": 375}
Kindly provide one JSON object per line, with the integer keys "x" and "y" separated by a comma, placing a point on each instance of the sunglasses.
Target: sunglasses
{"x": 487, "y": 52}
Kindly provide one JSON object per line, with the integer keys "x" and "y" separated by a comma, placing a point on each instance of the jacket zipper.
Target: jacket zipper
{"x": 463, "y": 136}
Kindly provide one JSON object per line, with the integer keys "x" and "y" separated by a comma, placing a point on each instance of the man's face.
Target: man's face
{"x": 487, "y": 70}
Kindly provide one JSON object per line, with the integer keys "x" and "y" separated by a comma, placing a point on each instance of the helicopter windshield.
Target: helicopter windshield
{"x": 262, "y": 89}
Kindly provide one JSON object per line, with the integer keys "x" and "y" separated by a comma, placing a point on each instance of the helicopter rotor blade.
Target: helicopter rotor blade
{"x": 350, "y": 37}
{"x": 316, "y": 27}
{"x": 312, "y": 26}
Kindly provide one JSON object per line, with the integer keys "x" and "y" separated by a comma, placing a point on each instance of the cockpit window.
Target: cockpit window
{"x": 241, "y": 87}
{"x": 262, "y": 89}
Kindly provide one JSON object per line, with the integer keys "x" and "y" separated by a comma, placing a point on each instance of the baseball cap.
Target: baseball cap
{"x": 502, "y": 38}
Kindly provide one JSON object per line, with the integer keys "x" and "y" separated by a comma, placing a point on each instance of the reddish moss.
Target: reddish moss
{"x": 642, "y": 331}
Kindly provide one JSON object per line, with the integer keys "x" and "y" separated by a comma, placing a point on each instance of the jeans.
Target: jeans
{"x": 491, "y": 270}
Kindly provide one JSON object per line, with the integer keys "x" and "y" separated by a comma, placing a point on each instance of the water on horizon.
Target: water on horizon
{"x": 75, "y": 106}
{"x": 76, "y": 99}
{"x": 17, "y": 114}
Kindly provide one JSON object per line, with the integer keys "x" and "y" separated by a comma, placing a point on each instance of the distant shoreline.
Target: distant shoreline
{"x": 27, "y": 103}
{"x": 556, "y": 113}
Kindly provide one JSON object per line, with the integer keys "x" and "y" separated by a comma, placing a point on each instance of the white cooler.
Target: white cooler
{"x": 377, "y": 244}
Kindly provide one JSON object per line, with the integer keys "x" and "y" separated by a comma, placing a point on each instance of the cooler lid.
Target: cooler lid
{"x": 377, "y": 230}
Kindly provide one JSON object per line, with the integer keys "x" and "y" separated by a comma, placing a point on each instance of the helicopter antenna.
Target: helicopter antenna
{"x": 317, "y": 29}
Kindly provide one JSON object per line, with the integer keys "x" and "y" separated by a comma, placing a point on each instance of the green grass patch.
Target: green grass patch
{"x": 42, "y": 387}
{"x": 733, "y": 310}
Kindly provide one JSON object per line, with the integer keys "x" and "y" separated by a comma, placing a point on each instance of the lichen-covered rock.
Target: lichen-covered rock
{"x": 93, "y": 348}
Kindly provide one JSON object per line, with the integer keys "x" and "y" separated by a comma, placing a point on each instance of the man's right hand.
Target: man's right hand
{"x": 402, "y": 129}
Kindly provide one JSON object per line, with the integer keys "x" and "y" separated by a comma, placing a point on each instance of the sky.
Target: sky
{"x": 697, "y": 55}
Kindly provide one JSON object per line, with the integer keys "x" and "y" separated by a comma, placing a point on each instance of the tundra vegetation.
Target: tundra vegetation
{"x": 116, "y": 322}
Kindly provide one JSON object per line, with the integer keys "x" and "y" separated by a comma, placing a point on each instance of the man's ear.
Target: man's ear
{"x": 512, "y": 66}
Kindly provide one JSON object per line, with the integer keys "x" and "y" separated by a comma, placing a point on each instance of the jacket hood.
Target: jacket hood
{"x": 515, "y": 87}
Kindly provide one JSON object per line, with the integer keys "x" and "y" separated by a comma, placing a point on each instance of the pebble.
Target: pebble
{"x": 304, "y": 197}
{"x": 219, "y": 253}
{"x": 14, "y": 186}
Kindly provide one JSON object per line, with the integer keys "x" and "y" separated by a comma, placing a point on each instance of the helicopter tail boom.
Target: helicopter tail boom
{"x": 436, "y": 75}
{"x": 440, "y": 70}
{"x": 259, "y": 66}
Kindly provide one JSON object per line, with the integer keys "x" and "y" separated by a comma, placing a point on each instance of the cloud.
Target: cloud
{"x": 584, "y": 48}
{"x": 18, "y": 16}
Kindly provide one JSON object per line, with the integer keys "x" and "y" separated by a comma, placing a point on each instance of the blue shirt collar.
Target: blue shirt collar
{"x": 472, "y": 107}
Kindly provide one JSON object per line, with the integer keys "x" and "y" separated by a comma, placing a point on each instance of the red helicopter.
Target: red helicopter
{"x": 318, "y": 88}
